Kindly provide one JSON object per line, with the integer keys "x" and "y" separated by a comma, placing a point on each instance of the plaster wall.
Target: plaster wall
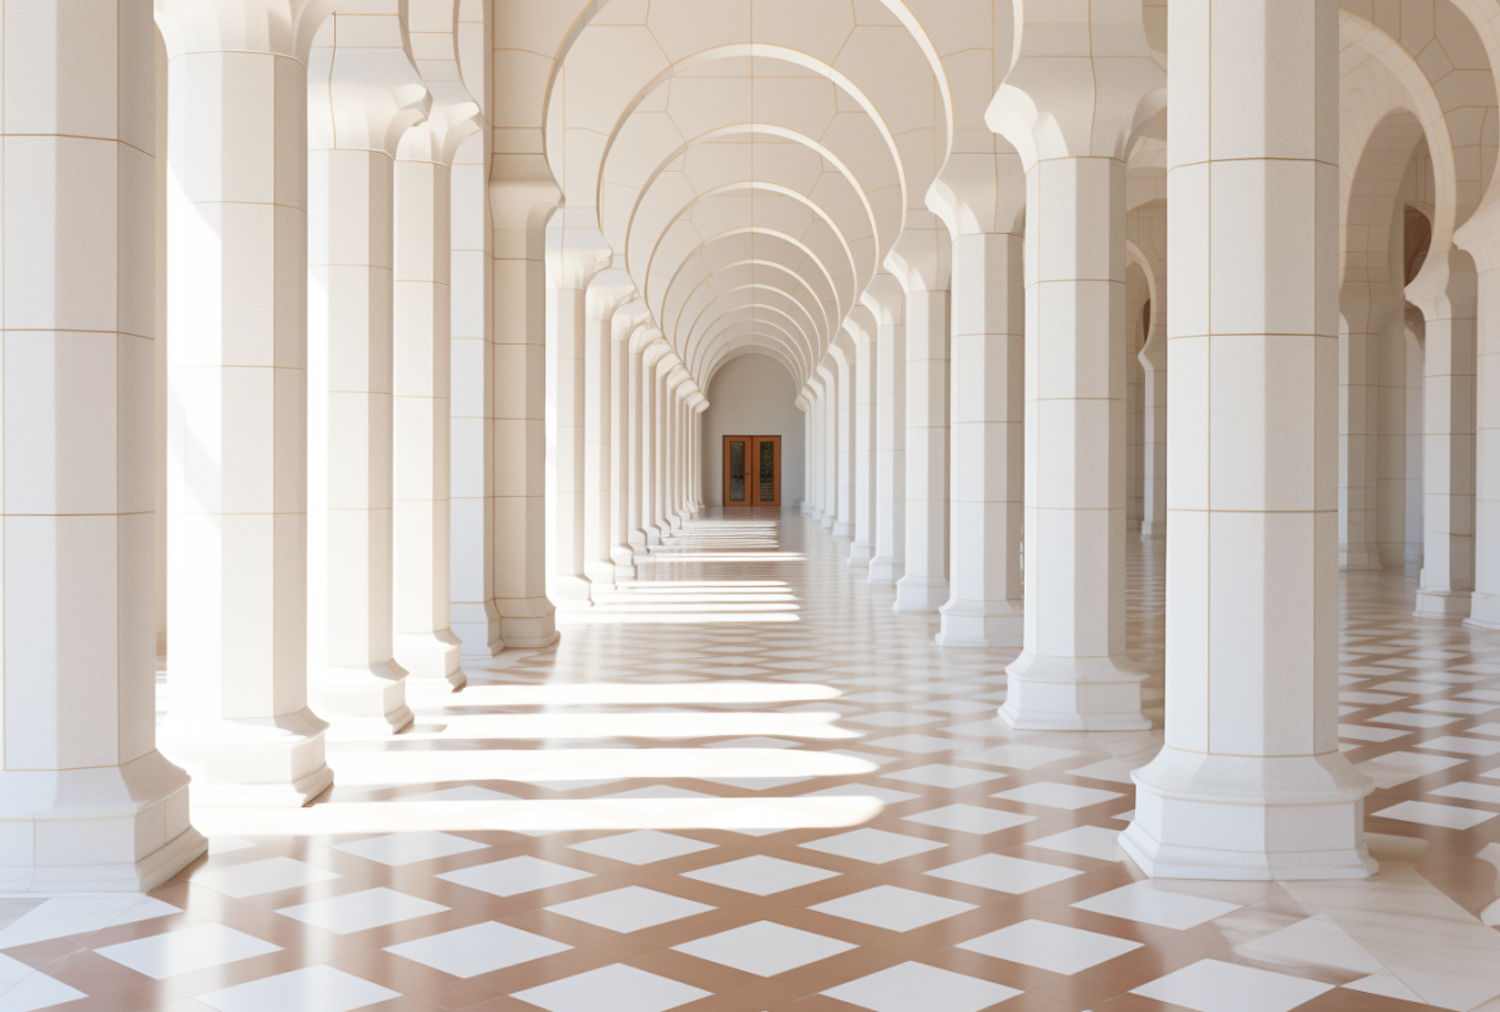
{"x": 753, "y": 395}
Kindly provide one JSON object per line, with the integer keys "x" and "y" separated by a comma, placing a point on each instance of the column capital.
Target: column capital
{"x": 277, "y": 27}
{"x": 453, "y": 118}
{"x": 980, "y": 192}
{"x": 630, "y": 316}
{"x": 369, "y": 96}
{"x": 861, "y": 325}
{"x": 606, "y": 295}
{"x": 885, "y": 299}
{"x": 1048, "y": 107}
{"x": 575, "y": 256}
{"x": 922, "y": 258}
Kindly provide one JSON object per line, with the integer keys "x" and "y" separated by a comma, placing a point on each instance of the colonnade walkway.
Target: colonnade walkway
{"x": 745, "y": 784}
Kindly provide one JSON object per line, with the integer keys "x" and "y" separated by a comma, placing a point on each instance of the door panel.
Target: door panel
{"x": 737, "y": 491}
{"x": 752, "y": 470}
{"x": 767, "y": 458}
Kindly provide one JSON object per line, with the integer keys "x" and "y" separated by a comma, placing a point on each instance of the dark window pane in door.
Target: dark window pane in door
{"x": 736, "y": 472}
{"x": 768, "y": 471}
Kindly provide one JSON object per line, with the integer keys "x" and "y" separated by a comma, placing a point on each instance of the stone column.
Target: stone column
{"x": 660, "y": 427}
{"x": 574, "y": 259}
{"x": 424, "y": 644}
{"x": 843, "y": 524}
{"x": 1447, "y": 297}
{"x": 1364, "y": 309}
{"x": 887, "y": 302}
{"x": 828, "y": 443}
{"x": 1481, "y": 237}
{"x": 602, "y": 303}
{"x": 1251, "y": 783}
{"x": 520, "y": 208}
{"x": 1073, "y": 672}
{"x": 813, "y": 391}
{"x": 359, "y": 105}
{"x": 865, "y": 425}
{"x": 985, "y": 190}
{"x": 471, "y": 505}
{"x": 676, "y": 379}
{"x": 638, "y": 503}
{"x": 921, "y": 262}
{"x": 87, "y": 803}
{"x": 237, "y": 716}
{"x": 1147, "y": 230}
{"x": 627, "y": 323}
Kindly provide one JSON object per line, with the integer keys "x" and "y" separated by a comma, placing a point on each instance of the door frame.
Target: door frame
{"x": 752, "y": 470}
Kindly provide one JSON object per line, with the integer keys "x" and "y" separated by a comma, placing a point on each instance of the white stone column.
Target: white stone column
{"x": 574, "y": 259}
{"x": 985, "y": 190}
{"x": 921, "y": 262}
{"x": 828, "y": 443}
{"x": 1415, "y": 372}
{"x": 359, "y": 105}
{"x": 1364, "y": 309}
{"x": 646, "y": 345}
{"x": 87, "y": 803}
{"x": 1251, "y": 783}
{"x": 603, "y": 302}
{"x": 628, "y": 321}
{"x": 661, "y": 433}
{"x": 1481, "y": 238}
{"x": 813, "y": 392}
{"x": 865, "y": 424}
{"x": 677, "y": 380}
{"x": 473, "y": 614}
{"x": 424, "y": 643}
{"x": 843, "y": 349}
{"x": 1147, "y": 229}
{"x": 887, "y": 302}
{"x": 520, "y": 208}
{"x": 1073, "y": 673}
{"x": 237, "y": 716}
{"x": 1448, "y": 300}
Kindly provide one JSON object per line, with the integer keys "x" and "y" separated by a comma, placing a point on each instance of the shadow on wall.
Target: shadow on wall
{"x": 752, "y": 395}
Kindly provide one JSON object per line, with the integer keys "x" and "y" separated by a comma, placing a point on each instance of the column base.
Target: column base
{"x": 102, "y": 829}
{"x": 1153, "y": 530}
{"x": 1249, "y": 818}
{"x": 1443, "y": 604}
{"x": 843, "y": 529}
{"x": 982, "y": 624}
{"x": 886, "y": 571}
{"x": 571, "y": 592}
{"x": 1484, "y": 611}
{"x": 1074, "y": 694}
{"x": 267, "y": 762}
{"x": 477, "y": 628}
{"x": 624, "y": 559}
{"x": 816, "y": 513}
{"x": 827, "y": 521}
{"x": 431, "y": 658}
{"x": 528, "y": 622}
{"x": 920, "y": 593}
{"x": 1359, "y": 558}
{"x": 860, "y": 553}
{"x": 600, "y": 572}
{"x": 361, "y": 700}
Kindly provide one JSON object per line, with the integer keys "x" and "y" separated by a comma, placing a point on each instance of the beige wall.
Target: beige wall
{"x": 752, "y": 395}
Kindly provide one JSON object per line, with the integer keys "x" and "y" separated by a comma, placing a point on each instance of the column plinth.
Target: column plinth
{"x": 990, "y": 624}
{"x": 1074, "y": 694}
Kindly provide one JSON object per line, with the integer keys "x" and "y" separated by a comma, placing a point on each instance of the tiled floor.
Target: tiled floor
{"x": 744, "y": 784}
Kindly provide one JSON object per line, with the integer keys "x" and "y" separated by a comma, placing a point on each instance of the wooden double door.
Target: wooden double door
{"x": 752, "y": 470}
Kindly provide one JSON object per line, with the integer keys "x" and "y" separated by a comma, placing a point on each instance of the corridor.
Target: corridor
{"x": 745, "y": 783}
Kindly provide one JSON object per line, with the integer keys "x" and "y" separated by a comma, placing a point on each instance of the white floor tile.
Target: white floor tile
{"x": 920, "y": 744}
{"x": 1456, "y": 743}
{"x": 257, "y": 878}
{"x": 1455, "y": 706}
{"x": 943, "y": 775}
{"x": 1107, "y": 769}
{"x": 629, "y": 909}
{"x": 1404, "y": 718}
{"x": 1212, "y": 986}
{"x": 1149, "y": 904}
{"x": 1054, "y": 795}
{"x": 1022, "y": 757}
{"x": 875, "y": 846}
{"x": 514, "y": 875}
{"x": 1085, "y": 841}
{"x": 1470, "y": 791}
{"x": 314, "y": 989}
{"x": 186, "y": 950}
{"x": 894, "y": 908}
{"x": 1054, "y": 947}
{"x": 369, "y": 908}
{"x": 1362, "y": 732}
{"x": 1004, "y": 874}
{"x": 971, "y": 819}
{"x": 1396, "y": 768}
{"x": 397, "y": 849}
{"x": 912, "y": 986}
{"x": 616, "y": 988}
{"x": 760, "y": 875}
{"x": 82, "y": 914}
{"x": 894, "y": 718}
{"x": 23, "y": 989}
{"x": 1428, "y": 814}
{"x": 479, "y": 948}
{"x": 1315, "y": 941}
{"x": 885, "y": 795}
{"x": 645, "y": 846}
{"x": 764, "y": 948}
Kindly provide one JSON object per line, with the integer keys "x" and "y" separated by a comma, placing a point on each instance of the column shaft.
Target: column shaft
{"x": 598, "y": 458}
{"x": 889, "y": 563}
{"x": 866, "y": 456}
{"x": 1446, "y": 584}
{"x": 621, "y": 475}
{"x": 924, "y": 587}
{"x": 566, "y": 393}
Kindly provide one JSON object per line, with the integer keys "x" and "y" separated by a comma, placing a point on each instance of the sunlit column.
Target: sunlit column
{"x": 1150, "y": 225}
{"x": 599, "y": 352}
{"x": 623, "y": 435}
{"x": 474, "y": 618}
{"x": 1073, "y": 672}
{"x": 237, "y": 716}
{"x": 424, "y": 644}
{"x": 920, "y": 262}
{"x": 1481, "y": 238}
{"x": 1251, "y": 783}
{"x": 661, "y": 431}
{"x": 984, "y": 608}
{"x": 638, "y": 502}
{"x": 87, "y": 803}
{"x": 864, "y": 427}
{"x": 843, "y": 524}
{"x": 360, "y": 104}
{"x": 1364, "y": 311}
{"x": 1447, "y": 297}
{"x": 677, "y": 376}
{"x": 885, "y": 299}
{"x": 520, "y": 209}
